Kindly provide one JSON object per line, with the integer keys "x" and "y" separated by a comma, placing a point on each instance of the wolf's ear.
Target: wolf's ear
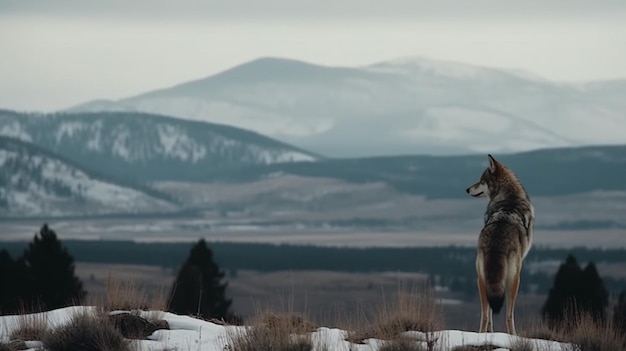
{"x": 492, "y": 164}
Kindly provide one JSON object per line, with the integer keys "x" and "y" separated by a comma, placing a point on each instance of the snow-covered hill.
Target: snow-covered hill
{"x": 34, "y": 182}
{"x": 147, "y": 147}
{"x": 405, "y": 106}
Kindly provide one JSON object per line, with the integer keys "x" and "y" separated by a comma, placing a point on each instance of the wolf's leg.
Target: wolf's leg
{"x": 486, "y": 325}
{"x": 512, "y": 289}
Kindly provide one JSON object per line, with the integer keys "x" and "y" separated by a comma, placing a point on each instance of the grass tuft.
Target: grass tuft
{"x": 401, "y": 344}
{"x": 274, "y": 332}
{"x": 523, "y": 344}
{"x": 129, "y": 296}
{"x": 581, "y": 330}
{"x": 591, "y": 335}
{"x": 30, "y": 327}
{"x": 85, "y": 331}
{"x": 485, "y": 347}
{"x": 411, "y": 311}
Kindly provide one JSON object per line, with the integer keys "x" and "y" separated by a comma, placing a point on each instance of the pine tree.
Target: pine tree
{"x": 594, "y": 298}
{"x": 575, "y": 291}
{"x": 198, "y": 289}
{"x": 561, "y": 295}
{"x": 8, "y": 276}
{"x": 51, "y": 268}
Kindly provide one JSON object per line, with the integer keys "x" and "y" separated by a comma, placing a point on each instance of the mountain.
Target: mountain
{"x": 35, "y": 182}
{"x": 546, "y": 172}
{"x": 147, "y": 147}
{"x": 408, "y": 106}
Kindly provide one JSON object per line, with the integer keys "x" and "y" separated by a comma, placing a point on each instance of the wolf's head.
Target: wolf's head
{"x": 488, "y": 183}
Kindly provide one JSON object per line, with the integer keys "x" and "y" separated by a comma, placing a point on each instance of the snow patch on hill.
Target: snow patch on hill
{"x": 36, "y": 185}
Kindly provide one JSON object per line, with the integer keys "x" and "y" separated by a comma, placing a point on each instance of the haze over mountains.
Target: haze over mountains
{"x": 408, "y": 106}
{"x": 129, "y": 157}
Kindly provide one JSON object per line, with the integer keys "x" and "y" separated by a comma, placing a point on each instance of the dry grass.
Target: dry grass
{"x": 485, "y": 347}
{"x": 594, "y": 336}
{"x": 85, "y": 331}
{"x": 414, "y": 310}
{"x": 30, "y": 327}
{"x": 401, "y": 344}
{"x": 274, "y": 332}
{"x": 522, "y": 344}
{"x": 128, "y": 296}
{"x": 580, "y": 330}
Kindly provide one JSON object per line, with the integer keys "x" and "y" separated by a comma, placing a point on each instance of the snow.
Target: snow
{"x": 15, "y": 130}
{"x": 437, "y": 67}
{"x": 478, "y": 129}
{"x": 177, "y": 144}
{"x": 68, "y": 129}
{"x": 187, "y": 333}
{"x": 269, "y": 157}
{"x": 95, "y": 142}
{"x": 96, "y": 196}
{"x": 237, "y": 114}
{"x": 120, "y": 145}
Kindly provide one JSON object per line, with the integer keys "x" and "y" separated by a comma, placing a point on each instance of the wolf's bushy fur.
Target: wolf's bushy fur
{"x": 503, "y": 242}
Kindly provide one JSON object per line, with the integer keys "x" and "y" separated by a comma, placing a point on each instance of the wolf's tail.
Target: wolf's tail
{"x": 496, "y": 301}
{"x": 495, "y": 277}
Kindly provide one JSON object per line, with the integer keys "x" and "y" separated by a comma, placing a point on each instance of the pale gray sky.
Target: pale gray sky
{"x": 54, "y": 54}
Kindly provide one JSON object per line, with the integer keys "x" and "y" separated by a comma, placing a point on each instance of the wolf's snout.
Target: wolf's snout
{"x": 467, "y": 190}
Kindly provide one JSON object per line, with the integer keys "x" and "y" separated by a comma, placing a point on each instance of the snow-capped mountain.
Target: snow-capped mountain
{"x": 147, "y": 147}
{"x": 404, "y": 106}
{"x": 34, "y": 182}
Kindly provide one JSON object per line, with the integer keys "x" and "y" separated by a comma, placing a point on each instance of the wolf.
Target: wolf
{"x": 503, "y": 242}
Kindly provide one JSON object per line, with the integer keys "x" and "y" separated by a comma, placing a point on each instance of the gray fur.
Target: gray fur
{"x": 503, "y": 242}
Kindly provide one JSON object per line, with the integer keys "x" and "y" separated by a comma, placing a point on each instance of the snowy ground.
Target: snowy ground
{"x": 188, "y": 333}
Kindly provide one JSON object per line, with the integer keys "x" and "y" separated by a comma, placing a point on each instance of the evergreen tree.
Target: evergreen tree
{"x": 198, "y": 289}
{"x": 560, "y": 297}
{"x": 594, "y": 298}
{"x": 16, "y": 294}
{"x": 8, "y": 277}
{"x": 575, "y": 291}
{"x": 51, "y": 269}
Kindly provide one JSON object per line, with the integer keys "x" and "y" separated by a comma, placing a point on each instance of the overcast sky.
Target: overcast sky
{"x": 54, "y": 54}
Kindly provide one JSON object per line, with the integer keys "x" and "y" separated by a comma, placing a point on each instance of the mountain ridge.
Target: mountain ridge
{"x": 418, "y": 105}
{"x": 37, "y": 182}
{"x": 546, "y": 172}
{"x": 147, "y": 147}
